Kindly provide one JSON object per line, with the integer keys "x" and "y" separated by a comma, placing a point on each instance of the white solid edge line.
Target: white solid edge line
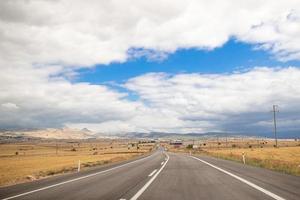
{"x": 162, "y": 163}
{"x": 151, "y": 174}
{"x": 76, "y": 179}
{"x": 140, "y": 192}
{"x": 274, "y": 196}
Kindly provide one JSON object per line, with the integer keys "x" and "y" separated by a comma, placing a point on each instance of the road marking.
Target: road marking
{"x": 140, "y": 192}
{"x": 76, "y": 179}
{"x": 161, "y": 163}
{"x": 152, "y": 172}
{"x": 274, "y": 196}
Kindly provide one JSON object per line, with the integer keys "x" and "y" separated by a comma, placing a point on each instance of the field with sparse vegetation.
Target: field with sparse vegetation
{"x": 283, "y": 159}
{"x": 26, "y": 161}
{"x": 258, "y": 152}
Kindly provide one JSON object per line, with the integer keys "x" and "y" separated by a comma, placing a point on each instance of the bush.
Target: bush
{"x": 106, "y": 161}
{"x": 50, "y": 173}
{"x": 73, "y": 149}
{"x": 233, "y": 145}
{"x": 17, "y": 153}
{"x": 190, "y": 146}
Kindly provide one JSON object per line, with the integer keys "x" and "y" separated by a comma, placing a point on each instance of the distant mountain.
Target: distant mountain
{"x": 51, "y": 133}
{"x": 85, "y": 133}
{"x": 86, "y": 130}
{"x": 155, "y": 135}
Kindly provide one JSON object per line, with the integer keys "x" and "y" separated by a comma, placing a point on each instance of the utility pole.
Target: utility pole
{"x": 275, "y": 110}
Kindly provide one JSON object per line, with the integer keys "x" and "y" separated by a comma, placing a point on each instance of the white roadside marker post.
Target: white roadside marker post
{"x": 244, "y": 159}
{"x": 78, "y": 169}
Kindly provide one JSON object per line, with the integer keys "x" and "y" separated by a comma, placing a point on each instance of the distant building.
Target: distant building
{"x": 146, "y": 141}
{"x": 176, "y": 143}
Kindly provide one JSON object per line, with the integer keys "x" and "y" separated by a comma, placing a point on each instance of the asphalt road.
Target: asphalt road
{"x": 163, "y": 176}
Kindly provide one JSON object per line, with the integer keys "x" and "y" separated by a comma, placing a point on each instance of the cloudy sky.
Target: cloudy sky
{"x": 160, "y": 65}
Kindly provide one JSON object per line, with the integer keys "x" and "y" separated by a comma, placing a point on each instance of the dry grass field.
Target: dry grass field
{"x": 261, "y": 153}
{"x": 284, "y": 159}
{"x": 21, "y": 162}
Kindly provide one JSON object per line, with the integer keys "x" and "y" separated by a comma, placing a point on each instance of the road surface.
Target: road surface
{"x": 163, "y": 176}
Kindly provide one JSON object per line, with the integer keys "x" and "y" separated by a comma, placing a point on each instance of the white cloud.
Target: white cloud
{"x": 232, "y": 102}
{"x": 241, "y": 101}
{"x": 10, "y": 106}
{"x": 42, "y": 42}
{"x": 84, "y": 33}
{"x": 45, "y": 101}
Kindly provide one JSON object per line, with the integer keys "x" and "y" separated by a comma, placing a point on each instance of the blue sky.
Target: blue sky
{"x": 93, "y": 65}
{"x": 232, "y": 56}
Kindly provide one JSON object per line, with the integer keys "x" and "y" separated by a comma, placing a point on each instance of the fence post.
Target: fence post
{"x": 78, "y": 169}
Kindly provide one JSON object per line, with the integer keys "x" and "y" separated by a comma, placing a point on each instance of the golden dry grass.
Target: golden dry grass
{"x": 43, "y": 159}
{"x": 285, "y": 154}
{"x": 283, "y": 159}
{"x": 244, "y": 143}
{"x": 260, "y": 153}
